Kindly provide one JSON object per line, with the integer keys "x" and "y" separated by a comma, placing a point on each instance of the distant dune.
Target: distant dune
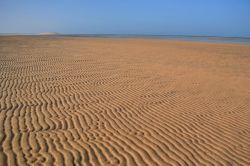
{"x": 49, "y": 33}
{"x": 108, "y": 102}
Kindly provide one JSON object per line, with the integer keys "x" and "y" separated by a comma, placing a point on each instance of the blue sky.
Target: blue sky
{"x": 159, "y": 17}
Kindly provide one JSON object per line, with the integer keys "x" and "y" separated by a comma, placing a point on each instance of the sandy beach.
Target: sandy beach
{"x": 103, "y": 101}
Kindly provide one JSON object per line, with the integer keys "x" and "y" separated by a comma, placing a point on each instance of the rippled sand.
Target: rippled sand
{"x": 90, "y": 101}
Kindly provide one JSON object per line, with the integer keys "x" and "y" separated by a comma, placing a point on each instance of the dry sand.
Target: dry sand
{"x": 90, "y": 101}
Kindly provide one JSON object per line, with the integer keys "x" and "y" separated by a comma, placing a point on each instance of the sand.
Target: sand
{"x": 94, "y": 101}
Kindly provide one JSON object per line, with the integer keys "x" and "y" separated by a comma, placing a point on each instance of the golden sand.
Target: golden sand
{"x": 90, "y": 101}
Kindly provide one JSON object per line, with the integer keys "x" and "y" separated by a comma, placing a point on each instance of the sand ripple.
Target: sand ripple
{"x": 74, "y": 101}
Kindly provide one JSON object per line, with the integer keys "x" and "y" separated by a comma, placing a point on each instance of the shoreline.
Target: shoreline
{"x": 203, "y": 39}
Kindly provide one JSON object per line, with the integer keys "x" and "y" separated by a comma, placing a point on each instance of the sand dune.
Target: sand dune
{"x": 82, "y": 101}
{"x": 49, "y": 33}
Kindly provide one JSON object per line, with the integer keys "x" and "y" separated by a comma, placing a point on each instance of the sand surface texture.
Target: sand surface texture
{"x": 90, "y": 101}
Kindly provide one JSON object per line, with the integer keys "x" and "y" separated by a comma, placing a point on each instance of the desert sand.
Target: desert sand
{"x": 97, "y": 101}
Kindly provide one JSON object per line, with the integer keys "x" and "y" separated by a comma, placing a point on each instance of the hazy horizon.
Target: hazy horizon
{"x": 179, "y": 18}
{"x": 107, "y": 34}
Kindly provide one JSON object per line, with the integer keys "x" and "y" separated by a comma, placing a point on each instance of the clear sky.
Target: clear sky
{"x": 159, "y": 17}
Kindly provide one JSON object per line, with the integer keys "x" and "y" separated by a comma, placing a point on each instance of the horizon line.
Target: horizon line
{"x": 113, "y": 34}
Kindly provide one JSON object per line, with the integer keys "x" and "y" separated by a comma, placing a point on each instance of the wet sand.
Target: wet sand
{"x": 96, "y": 101}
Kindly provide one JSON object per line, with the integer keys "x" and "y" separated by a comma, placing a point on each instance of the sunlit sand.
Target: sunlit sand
{"x": 94, "y": 101}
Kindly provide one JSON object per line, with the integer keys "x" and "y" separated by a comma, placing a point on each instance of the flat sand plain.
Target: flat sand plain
{"x": 97, "y": 101}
